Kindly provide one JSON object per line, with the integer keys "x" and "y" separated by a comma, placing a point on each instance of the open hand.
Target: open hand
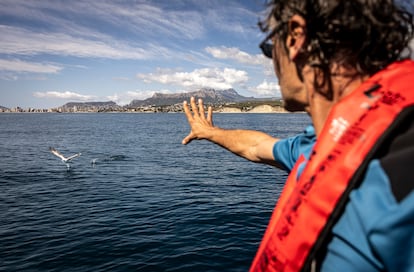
{"x": 201, "y": 125}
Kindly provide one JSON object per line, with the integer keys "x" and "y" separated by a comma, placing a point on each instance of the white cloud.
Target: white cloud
{"x": 231, "y": 17}
{"x": 267, "y": 89}
{"x": 24, "y": 66}
{"x": 9, "y": 76}
{"x": 64, "y": 95}
{"x": 20, "y": 41}
{"x": 236, "y": 54}
{"x": 90, "y": 28}
{"x": 179, "y": 19}
{"x": 121, "y": 78}
{"x": 206, "y": 77}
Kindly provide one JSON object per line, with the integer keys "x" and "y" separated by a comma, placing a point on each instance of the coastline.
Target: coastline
{"x": 258, "y": 109}
{"x": 177, "y": 108}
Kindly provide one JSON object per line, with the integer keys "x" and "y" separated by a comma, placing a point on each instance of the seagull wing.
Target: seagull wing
{"x": 73, "y": 156}
{"x": 56, "y": 153}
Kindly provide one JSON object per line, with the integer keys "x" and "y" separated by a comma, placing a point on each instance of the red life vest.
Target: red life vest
{"x": 309, "y": 205}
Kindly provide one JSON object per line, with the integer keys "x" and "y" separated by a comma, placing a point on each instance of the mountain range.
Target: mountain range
{"x": 209, "y": 96}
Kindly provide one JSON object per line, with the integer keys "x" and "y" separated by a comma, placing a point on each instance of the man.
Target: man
{"x": 253, "y": 145}
{"x": 352, "y": 206}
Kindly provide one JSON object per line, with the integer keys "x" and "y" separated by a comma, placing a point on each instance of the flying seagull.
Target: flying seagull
{"x": 63, "y": 158}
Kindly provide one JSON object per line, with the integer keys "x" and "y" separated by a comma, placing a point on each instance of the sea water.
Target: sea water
{"x": 136, "y": 199}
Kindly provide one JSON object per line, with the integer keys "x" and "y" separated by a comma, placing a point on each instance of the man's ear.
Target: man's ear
{"x": 296, "y": 35}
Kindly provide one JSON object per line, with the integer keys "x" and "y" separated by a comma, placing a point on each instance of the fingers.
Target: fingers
{"x": 210, "y": 115}
{"x": 198, "y": 110}
{"x": 194, "y": 106}
{"x": 201, "y": 107}
{"x": 187, "y": 111}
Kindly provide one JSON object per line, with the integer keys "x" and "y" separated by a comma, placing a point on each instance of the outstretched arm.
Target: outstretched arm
{"x": 252, "y": 145}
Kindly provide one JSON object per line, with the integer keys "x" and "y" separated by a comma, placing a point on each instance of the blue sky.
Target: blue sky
{"x": 53, "y": 52}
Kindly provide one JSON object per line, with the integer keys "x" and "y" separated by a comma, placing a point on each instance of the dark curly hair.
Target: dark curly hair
{"x": 367, "y": 35}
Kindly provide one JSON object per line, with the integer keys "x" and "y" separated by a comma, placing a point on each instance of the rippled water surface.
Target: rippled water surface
{"x": 136, "y": 199}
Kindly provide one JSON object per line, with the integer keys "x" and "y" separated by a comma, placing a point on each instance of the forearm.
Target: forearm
{"x": 252, "y": 145}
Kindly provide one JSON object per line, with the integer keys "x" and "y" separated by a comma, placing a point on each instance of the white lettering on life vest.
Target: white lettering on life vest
{"x": 338, "y": 127}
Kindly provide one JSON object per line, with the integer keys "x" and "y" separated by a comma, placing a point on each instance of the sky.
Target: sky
{"x": 57, "y": 51}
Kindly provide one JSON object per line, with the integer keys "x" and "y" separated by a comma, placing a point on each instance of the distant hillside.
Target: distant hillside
{"x": 209, "y": 96}
{"x": 91, "y": 106}
{"x": 3, "y": 108}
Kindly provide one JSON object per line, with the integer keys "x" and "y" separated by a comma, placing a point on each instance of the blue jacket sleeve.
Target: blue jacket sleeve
{"x": 287, "y": 151}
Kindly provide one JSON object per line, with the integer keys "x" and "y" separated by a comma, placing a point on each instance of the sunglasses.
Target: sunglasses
{"x": 267, "y": 48}
{"x": 266, "y": 45}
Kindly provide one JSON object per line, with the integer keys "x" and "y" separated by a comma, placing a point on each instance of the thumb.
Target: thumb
{"x": 187, "y": 139}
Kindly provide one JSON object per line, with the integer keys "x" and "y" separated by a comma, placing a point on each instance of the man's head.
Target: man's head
{"x": 361, "y": 35}
{"x": 291, "y": 85}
